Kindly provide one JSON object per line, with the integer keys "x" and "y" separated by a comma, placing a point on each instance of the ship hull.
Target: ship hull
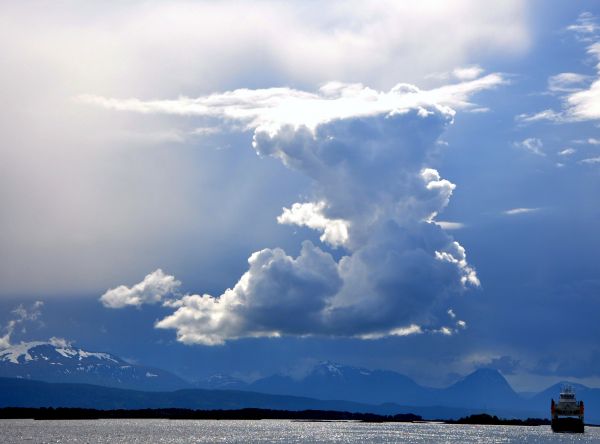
{"x": 573, "y": 425}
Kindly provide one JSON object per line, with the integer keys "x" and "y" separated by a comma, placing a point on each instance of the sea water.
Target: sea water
{"x": 149, "y": 431}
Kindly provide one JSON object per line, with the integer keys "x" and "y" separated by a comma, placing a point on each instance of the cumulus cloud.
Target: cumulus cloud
{"x": 374, "y": 197}
{"x": 21, "y": 314}
{"x": 310, "y": 214}
{"x": 278, "y": 294}
{"x": 151, "y": 290}
{"x": 159, "y": 49}
{"x": 532, "y": 144}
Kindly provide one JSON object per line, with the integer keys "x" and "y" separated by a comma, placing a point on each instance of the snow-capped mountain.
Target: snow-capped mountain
{"x": 221, "y": 381}
{"x": 59, "y": 361}
{"x": 329, "y": 380}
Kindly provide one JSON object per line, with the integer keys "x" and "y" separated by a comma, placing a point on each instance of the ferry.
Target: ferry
{"x": 567, "y": 413}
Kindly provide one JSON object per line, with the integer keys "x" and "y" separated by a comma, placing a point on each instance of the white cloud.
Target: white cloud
{"x": 461, "y": 73}
{"x": 567, "y": 152}
{"x": 455, "y": 254}
{"x": 278, "y": 294}
{"x": 449, "y": 331}
{"x": 532, "y": 144}
{"x": 21, "y": 314}
{"x": 274, "y": 107}
{"x": 547, "y": 114}
{"x": 90, "y": 162}
{"x": 335, "y": 231}
{"x": 566, "y": 82}
{"x": 467, "y": 72}
{"x": 585, "y": 104}
{"x": 446, "y": 331}
{"x": 590, "y": 161}
{"x": 405, "y": 331}
{"x": 298, "y": 44}
{"x": 590, "y": 141}
{"x": 151, "y": 290}
{"x": 516, "y": 211}
{"x": 374, "y": 196}
{"x": 585, "y": 27}
{"x": 447, "y": 225}
{"x": 580, "y": 101}
{"x": 479, "y": 110}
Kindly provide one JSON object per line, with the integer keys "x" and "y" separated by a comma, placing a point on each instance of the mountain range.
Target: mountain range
{"x": 58, "y": 361}
{"x": 329, "y": 380}
{"x": 77, "y": 375}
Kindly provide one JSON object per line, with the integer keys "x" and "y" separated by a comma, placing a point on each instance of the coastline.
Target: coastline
{"x": 68, "y": 413}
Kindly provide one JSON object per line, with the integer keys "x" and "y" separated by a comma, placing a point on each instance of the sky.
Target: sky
{"x": 252, "y": 187}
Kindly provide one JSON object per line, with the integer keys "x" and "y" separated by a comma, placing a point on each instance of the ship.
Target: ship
{"x": 567, "y": 413}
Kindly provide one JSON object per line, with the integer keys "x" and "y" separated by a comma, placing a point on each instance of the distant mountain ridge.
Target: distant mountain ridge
{"x": 59, "y": 361}
{"x": 484, "y": 390}
{"x": 27, "y": 393}
{"x": 327, "y": 380}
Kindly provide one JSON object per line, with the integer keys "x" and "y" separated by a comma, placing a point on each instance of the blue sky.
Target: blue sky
{"x": 415, "y": 186}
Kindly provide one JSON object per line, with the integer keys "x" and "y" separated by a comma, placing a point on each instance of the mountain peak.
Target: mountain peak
{"x": 485, "y": 377}
{"x": 38, "y": 350}
{"x": 482, "y": 387}
{"x": 328, "y": 367}
{"x": 57, "y": 360}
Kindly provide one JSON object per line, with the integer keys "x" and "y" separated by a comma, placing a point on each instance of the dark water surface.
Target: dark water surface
{"x": 278, "y": 431}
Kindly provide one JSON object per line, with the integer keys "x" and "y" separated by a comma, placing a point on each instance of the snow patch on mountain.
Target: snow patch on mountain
{"x": 57, "y": 360}
{"x": 25, "y": 350}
